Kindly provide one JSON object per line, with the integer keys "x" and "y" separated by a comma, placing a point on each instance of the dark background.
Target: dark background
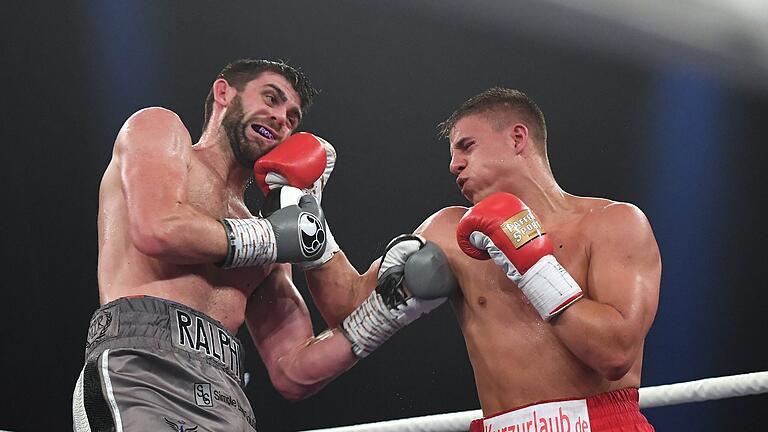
{"x": 676, "y": 137}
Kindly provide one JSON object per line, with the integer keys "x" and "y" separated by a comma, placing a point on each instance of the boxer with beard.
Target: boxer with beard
{"x": 183, "y": 263}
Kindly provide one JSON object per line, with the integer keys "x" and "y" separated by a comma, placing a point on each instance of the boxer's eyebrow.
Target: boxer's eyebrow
{"x": 279, "y": 91}
{"x": 296, "y": 112}
{"x": 461, "y": 143}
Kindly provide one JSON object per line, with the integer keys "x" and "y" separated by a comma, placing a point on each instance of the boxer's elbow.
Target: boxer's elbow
{"x": 160, "y": 235}
{"x": 296, "y": 395}
{"x": 293, "y": 391}
{"x": 292, "y": 380}
{"x": 615, "y": 369}
{"x": 612, "y": 350}
{"x": 156, "y": 238}
{"x": 150, "y": 241}
{"x": 615, "y": 363}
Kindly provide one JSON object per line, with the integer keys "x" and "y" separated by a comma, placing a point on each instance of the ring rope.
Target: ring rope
{"x": 704, "y": 390}
{"x": 656, "y": 396}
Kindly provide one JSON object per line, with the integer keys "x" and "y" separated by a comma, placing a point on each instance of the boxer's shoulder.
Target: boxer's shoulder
{"x": 442, "y": 222}
{"x": 608, "y": 220}
{"x": 447, "y": 217}
{"x": 154, "y": 122}
{"x": 440, "y": 227}
{"x": 155, "y": 115}
{"x": 602, "y": 212}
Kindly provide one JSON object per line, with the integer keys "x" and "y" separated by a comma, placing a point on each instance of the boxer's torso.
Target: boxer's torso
{"x": 124, "y": 271}
{"x": 516, "y": 356}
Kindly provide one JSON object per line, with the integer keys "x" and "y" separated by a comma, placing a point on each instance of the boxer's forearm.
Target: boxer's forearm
{"x": 183, "y": 236}
{"x": 337, "y": 288}
{"x": 309, "y": 368}
{"x": 600, "y": 336}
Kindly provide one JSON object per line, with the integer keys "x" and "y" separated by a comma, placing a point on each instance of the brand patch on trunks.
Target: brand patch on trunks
{"x": 195, "y": 334}
{"x": 563, "y": 416}
{"x": 103, "y": 324}
{"x": 243, "y": 408}
{"x": 203, "y": 395}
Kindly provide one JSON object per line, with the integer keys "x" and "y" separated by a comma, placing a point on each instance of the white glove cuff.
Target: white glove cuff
{"x": 330, "y": 163}
{"x": 251, "y": 242}
{"x": 549, "y": 287}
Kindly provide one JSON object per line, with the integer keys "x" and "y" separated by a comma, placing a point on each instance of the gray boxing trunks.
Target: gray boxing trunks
{"x": 154, "y": 365}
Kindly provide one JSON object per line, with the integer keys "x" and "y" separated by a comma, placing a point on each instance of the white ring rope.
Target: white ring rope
{"x": 704, "y": 390}
{"x": 662, "y": 395}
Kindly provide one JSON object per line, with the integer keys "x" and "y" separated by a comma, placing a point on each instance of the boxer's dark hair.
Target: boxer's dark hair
{"x": 500, "y": 100}
{"x": 240, "y": 72}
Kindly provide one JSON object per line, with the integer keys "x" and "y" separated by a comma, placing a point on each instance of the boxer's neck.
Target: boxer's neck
{"x": 539, "y": 190}
{"x": 216, "y": 152}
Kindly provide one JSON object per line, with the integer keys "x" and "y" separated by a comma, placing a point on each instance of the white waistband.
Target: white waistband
{"x": 562, "y": 416}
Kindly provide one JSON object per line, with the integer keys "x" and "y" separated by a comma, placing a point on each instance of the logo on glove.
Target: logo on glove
{"x": 522, "y": 228}
{"x": 312, "y": 234}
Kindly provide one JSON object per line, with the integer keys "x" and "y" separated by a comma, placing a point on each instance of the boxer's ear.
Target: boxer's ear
{"x": 223, "y": 93}
{"x": 517, "y": 134}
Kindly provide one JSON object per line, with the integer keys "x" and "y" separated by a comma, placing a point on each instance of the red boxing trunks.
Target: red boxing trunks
{"x": 616, "y": 411}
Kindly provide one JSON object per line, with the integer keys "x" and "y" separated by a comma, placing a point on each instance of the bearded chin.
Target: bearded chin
{"x": 234, "y": 126}
{"x": 236, "y": 136}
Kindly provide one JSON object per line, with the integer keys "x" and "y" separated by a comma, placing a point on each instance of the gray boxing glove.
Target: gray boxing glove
{"x": 281, "y": 197}
{"x": 414, "y": 278}
{"x": 291, "y": 234}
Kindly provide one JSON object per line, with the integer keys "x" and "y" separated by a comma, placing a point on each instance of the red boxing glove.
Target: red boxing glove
{"x": 298, "y": 161}
{"x": 512, "y": 227}
{"x": 302, "y": 164}
{"x": 504, "y": 229}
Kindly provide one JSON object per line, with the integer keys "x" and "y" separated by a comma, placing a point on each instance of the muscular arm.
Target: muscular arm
{"x": 299, "y": 363}
{"x": 153, "y": 151}
{"x": 337, "y": 288}
{"x": 606, "y": 329}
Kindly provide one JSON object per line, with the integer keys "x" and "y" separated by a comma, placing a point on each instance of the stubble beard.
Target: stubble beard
{"x": 234, "y": 127}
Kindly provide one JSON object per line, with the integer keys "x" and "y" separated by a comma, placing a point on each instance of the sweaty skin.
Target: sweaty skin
{"x": 517, "y": 357}
{"x": 608, "y": 247}
{"x": 593, "y": 346}
{"x": 160, "y": 202}
{"x": 190, "y": 187}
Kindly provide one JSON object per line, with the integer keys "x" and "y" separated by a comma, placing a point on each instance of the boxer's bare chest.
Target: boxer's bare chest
{"x": 483, "y": 282}
{"x": 571, "y": 243}
{"x": 502, "y": 329}
{"x": 209, "y": 193}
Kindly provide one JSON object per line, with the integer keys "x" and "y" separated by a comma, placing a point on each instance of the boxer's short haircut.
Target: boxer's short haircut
{"x": 240, "y": 72}
{"x": 497, "y": 103}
